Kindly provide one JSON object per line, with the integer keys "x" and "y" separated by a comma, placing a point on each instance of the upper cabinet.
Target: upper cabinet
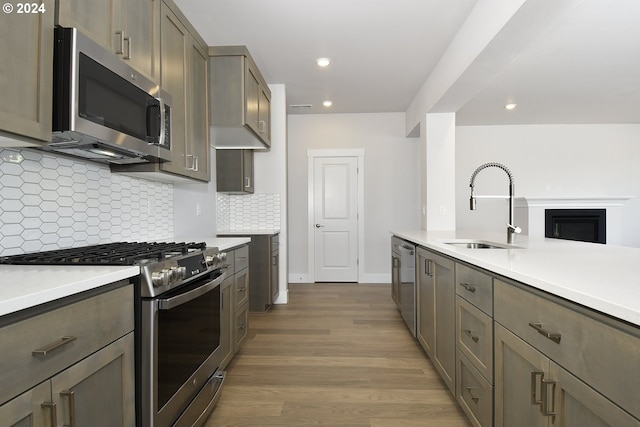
{"x": 240, "y": 100}
{"x": 183, "y": 73}
{"x": 130, "y": 29}
{"x": 26, "y": 72}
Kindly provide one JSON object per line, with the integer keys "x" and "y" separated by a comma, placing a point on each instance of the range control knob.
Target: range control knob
{"x": 160, "y": 278}
{"x": 209, "y": 260}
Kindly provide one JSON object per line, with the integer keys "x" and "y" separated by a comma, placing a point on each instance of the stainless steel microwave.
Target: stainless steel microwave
{"x": 104, "y": 110}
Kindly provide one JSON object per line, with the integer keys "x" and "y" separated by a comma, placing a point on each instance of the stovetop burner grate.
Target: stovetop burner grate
{"x": 123, "y": 253}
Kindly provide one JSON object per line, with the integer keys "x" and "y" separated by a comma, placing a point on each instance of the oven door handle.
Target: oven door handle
{"x": 169, "y": 303}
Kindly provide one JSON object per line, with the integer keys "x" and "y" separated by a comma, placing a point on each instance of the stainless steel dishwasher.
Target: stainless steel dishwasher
{"x": 405, "y": 268}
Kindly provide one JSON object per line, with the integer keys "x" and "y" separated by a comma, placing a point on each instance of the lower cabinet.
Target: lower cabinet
{"x": 436, "y": 316}
{"x": 532, "y": 390}
{"x": 97, "y": 389}
{"x": 235, "y": 294}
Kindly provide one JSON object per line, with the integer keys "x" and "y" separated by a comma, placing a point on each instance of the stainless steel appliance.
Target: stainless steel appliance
{"x": 180, "y": 319}
{"x": 104, "y": 110}
{"x": 408, "y": 285}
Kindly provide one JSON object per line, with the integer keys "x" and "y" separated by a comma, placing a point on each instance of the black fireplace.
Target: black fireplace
{"x": 586, "y": 225}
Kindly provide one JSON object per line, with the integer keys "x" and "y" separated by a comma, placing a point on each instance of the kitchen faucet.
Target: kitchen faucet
{"x": 511, "y": 229}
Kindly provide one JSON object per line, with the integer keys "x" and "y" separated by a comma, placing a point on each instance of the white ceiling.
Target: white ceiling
{"x": 584, "y": 69}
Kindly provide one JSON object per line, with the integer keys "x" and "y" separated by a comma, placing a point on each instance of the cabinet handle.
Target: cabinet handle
{"x": 469, "y": 333}
{"x": 70, "y": 394}
{"x": 44, "y": 351}
{"x": 468, "y": 287}
{"x": 545, "y": 398}
{"x": 534, "y": 388}
{"x": 129, "y": 42}
{"x": 470, "y": 390}
{"x": 247, "y": 182}
{"x": 428, "y": 267}
{"x": 53, "y": 415}
{"x": 243, "y": 325}
{"x": 555, "y": 337}
{"x": 120, "y": 48}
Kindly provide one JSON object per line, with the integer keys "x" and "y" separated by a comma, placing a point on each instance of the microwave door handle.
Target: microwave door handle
{"x": 169, "y": 303}
{"x": 159, "y": 104}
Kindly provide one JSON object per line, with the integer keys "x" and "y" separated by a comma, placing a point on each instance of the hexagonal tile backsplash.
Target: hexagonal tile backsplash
{"x": 49, "y": 202}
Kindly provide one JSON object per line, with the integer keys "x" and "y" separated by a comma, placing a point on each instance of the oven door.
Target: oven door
{"x": 181, "y": 351}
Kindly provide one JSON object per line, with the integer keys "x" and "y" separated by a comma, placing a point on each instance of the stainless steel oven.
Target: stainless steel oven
{"x": 181, "y": 350}
{"x": 182, "y": 324}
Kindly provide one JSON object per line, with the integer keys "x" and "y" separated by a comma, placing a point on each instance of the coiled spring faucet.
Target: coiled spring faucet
{"x": 511, "y": 229}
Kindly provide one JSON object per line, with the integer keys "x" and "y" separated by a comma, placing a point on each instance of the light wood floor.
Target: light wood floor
{"x": 337, "y": 355}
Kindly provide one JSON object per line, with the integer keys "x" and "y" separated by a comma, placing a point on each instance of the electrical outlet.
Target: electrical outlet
{"x": 443, "y": 210}
{"x": 198, "y": 209}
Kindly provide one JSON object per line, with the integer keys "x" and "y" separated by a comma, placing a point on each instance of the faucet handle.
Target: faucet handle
{"x": 514, "y": 229}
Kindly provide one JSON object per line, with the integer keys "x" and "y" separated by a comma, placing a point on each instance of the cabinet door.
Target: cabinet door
{"x": 198, "y": 113}
{"x": 247, "y": 171}
{"x": 93, "y": 18}
{"x": 26, "y": 72}
{"x": 519, "y": 371}
{"x": 252, "y": 99}
{"x": 578, "y": 405}
{"x": 99, "y": 390}
{"x": 32, "y": 408}
{"x": 174, "y": 46}
{"x": 227, "y": 338}
{"x": 275, "y": 275}
{"x": 264, "y": 116}
{"x": 426, "y": 332}
{"x": 136, "y": 35}
{"x": 445, "y": 315}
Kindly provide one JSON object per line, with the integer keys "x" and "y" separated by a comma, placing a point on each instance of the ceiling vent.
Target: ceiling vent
{"x": 300, "y": 106}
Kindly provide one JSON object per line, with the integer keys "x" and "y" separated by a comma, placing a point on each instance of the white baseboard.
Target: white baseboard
{"x": 367, "y": 278}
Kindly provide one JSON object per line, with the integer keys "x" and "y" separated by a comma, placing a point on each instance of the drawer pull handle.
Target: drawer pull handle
{"x": 555, "y": 337}
{"x": 545, "y": 398}
{"x": 72, "y": 406}
{"x": 468, "y": 287}
{"x": 534, "y": 388}
{"x": 469, "y": 333}
{"x": 44, "y": 351}
{"x": 471, "y": 390}
{"x": 53, "y": 415}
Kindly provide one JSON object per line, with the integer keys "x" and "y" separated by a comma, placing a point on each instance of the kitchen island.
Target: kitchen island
{"x": 535, "y": 332}
{"x": 604, "y": 278}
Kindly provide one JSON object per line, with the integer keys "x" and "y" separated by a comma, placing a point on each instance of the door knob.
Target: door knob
{"x": 318, "y": 225}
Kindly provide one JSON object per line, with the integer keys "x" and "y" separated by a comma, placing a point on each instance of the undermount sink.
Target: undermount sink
{"x": 476, "y": 244}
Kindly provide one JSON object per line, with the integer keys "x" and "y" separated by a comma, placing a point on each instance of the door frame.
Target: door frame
{"x": 311, "y": 156}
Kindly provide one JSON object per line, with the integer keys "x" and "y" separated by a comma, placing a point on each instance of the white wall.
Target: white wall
{"x": 391, "y": 187}
{"x": 548, "y": 161}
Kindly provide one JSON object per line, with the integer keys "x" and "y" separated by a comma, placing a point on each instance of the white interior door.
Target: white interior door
{"x": 335, "y": 187}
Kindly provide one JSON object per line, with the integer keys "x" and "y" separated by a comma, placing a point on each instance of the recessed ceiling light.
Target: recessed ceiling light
{"x": 323, "y": 62}
{"x": 327, "y": 103}
{"x": 510, "y": 106}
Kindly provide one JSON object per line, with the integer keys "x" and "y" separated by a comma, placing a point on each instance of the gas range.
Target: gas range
{"x": 163, "y": 265}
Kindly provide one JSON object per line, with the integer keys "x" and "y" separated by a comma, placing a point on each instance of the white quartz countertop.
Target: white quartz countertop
{"x": 604, "y": 278}
{"x": 25, "y": 286}
{"x": 253, "y": 232}
{"x": 222, "y": 243}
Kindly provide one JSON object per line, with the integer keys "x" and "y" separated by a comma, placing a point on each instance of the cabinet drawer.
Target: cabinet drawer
{"x": 473, "y": 393}
{"x": 242, "y": 326}
{"x": 474, "y": 337}
{"x": 476, "y": 287}
{"x": 241, "y": 288}
{"x": 241, "y": 258}
{"x": 600, "y": 354}
{"x": 63, "y": 335}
